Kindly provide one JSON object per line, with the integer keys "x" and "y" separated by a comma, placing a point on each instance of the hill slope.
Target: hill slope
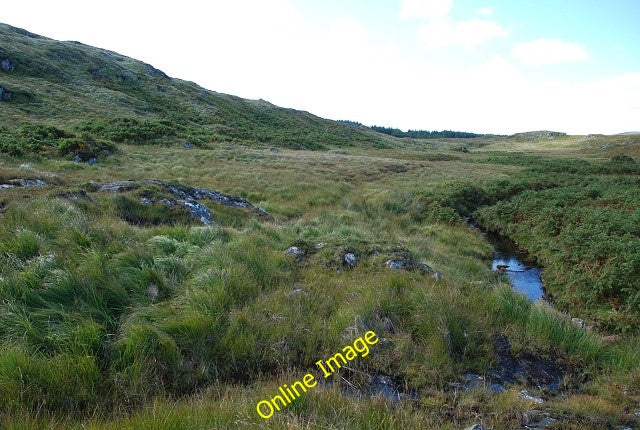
{"x": 69, "y": 83}
{"x": 170, "y": 288}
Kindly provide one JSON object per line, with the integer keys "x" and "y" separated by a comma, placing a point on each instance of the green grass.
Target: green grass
{"x": 115, "y": 314}
{"x": 149, "y": 314}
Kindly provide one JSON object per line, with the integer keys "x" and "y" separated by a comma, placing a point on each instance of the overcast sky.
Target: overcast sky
{"x": 495, "y": 66}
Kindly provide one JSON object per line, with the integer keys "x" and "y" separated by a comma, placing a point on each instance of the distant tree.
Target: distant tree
{"x": 424, "y": 134}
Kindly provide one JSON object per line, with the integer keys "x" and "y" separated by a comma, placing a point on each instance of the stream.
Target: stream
{"x": 508, "y": 258}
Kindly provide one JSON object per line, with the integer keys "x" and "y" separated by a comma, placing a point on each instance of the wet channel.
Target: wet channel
{"x": 510, "y": 259}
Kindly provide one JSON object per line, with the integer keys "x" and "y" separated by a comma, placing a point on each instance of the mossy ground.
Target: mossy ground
{"x": 107, "y": 323}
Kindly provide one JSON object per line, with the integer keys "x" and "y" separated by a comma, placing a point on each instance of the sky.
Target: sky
{"x": 494, "y": 66}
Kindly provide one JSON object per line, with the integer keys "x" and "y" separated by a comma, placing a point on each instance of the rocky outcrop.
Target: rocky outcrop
{"x": 179, "y": 195}
{"x": 295, "y": 252}
{"x": 349, "y": 260}
{"x": 7, "y": 65}
{"x": 156, "y": 73}
{"x": 5, "y": 95}
{"x": 23, "y": 182}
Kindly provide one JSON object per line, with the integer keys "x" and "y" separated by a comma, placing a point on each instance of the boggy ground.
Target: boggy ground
{"x": 110, "y": 321}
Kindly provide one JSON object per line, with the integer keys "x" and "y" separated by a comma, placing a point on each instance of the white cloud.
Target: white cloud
{"x": 425, "y": 8}
{"x": 484, "y": 11}
{"x": 470, "y": 34}
{"x": 549, "y": 51}
{"x": 338, "y": 68}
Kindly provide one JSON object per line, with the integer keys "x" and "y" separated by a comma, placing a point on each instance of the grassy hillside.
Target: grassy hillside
{"x": 175, "y": 287}
{"x": 79, "y": 87}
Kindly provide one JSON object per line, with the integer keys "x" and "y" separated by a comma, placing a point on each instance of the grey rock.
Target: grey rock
{"x": 6, "y": 186}
{"x": 145, "y": 201}
{"x": 424, "y": 268}
{"x": 295, "y": 252}
{"x": 496, "y": 388}
{"x": 300, "y": 291}
{"x": 152, "y": 71}
{"x": 75, "y": 195}
{"x": 117, "y": 186}
{"x": 5, "y": 95}
{"x": 27, "y": 182}
{"x": 524, "y": 394}
{"x": 77, "y": 159}
{"x": 274, "y": 149}
{"x": 473, "y": 381}
{"x": 188, "y": 145}
{"x": 437, "y": 276}
{"x": 384, "y": 342}
{"x": 197, "y": 210}
{"x": 546, "y": 422}
{"x": 92, "y": 161}
{"x": 475, "y": 427}
{"x": 7, "y": 65}
{"x": 578, "y": 322}
{"x": 395, "y": 264}
{"x": 350, "y": 260}
{"x": 186, "y": 196}
{"x": 320, "y": 245}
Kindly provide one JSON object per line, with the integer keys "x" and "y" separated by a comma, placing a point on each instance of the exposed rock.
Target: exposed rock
{"x": 188, "y": 145}
{"x": 7, "y": 65}
{"x": 424, "y": 268}
{"x": 5, "y": 95}
{"x": 185, "y": 196}
{"x": 117, "y": 186}
{"x": 274, "y": 149}
{"x": 299, "y": 291}
{"x": 538, "y": 420}
{"x": 190, "y": 193}
{"x": 524, "y": 394}
{"x": 437, "y": 276}
{"x": 295, "y": 252}
{"x": 152, "y": 71}
{"x": 501, "y": 268}
{"x": 395, "y": 264}
{"x": 146, "y": 201}
{"x": 74, "y": 195}
{"x": 350, "y": 260}
{"x": 197, "y": 210}
{"x": 578, "y": 322}
{"x": 475, "y": 427}
{"x": 92, "y": 161}
{"x": 530, "y": 369}
{"x": 320, "y": 245}
{"x": 20, "y": 182}
{"x": 473, "y": 381}
{"x": 496, "y": 388}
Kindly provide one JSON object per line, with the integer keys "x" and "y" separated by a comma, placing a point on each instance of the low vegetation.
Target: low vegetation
{"x": 120, "y": 309}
